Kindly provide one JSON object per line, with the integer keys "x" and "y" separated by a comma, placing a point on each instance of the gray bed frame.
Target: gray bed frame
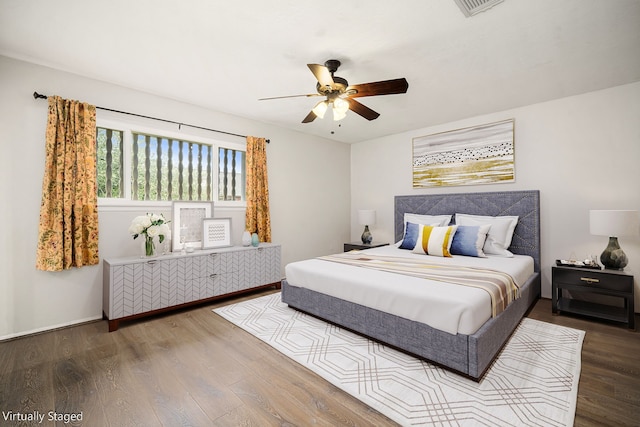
{"x": 470, "y": 355}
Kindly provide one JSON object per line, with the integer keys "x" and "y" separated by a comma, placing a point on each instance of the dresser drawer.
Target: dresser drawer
{"x": 593, "y": 279}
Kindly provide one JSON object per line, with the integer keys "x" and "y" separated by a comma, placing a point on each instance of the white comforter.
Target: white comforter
{"x": 444, "y": 306}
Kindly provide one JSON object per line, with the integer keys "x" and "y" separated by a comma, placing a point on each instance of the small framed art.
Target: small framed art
{"x": 187, "y": 224}
{"x": 216, "y": 233}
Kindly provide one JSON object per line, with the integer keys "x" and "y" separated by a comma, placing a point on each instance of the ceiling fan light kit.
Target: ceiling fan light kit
{"x": 339, "y": 109}
{"x": 340, "y": 95}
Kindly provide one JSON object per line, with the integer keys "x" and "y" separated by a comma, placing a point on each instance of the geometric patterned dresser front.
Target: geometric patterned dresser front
{"x": 135, "y": 287}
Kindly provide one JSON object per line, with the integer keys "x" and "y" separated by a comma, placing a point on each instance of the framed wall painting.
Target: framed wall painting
{"x": 187, "y": 223}
{"x": 216, "y": 233}
{"x": 475, "y": 155}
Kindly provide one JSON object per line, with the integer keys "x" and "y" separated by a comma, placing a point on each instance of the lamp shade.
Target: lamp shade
{"x": 320, "y": 109}
{"x": 340, "y": 105}
{"x": 338, "y": 115}
{"x": 614, "y": 223}
{"x": 366, "y": 217}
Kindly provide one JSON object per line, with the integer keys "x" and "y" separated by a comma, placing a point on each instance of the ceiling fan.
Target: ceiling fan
{"x": 340, "y": 95}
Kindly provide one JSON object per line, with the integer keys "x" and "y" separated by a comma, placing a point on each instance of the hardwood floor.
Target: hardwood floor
{"x": 194, "y": 368}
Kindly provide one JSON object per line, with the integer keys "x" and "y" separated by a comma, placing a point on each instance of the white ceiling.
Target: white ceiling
{"x": 224, "y": 55}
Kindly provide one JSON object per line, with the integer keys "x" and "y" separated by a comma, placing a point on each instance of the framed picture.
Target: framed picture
{"x": 216, "y": 232}
{"x": 482, "y": 154}
{"x": 187, "y": 223}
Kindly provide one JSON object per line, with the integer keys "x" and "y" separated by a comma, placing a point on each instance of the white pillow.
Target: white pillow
{"x": 500, "y": 233}
{"x": 441, "y": 220}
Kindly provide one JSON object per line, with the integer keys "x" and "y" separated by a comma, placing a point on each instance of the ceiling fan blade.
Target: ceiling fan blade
{"x": 290, "y": 96}
{"x": 386, "y": 87}
{"x": 310, "y": 117}
{"x": 361, "y": 109}
{"x": 322, "y": 74}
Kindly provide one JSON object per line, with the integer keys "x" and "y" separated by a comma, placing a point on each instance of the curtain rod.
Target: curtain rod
{"x": 37, "y": 95}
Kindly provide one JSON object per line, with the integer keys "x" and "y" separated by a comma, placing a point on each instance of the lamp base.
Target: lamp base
{"x": 613, "y": 257}
{"x": 366, "y": 237}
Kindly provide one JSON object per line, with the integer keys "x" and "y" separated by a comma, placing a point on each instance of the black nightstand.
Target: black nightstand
{"x": 603, "y": 282}
{"x": 359, "y": 246}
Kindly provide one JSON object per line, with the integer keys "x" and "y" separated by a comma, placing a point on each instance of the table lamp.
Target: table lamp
{"x": 614, "y": 224}
{"x": 366, "y": 218}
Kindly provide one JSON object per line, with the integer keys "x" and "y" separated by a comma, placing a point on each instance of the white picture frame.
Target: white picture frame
{"x": 216, "y": 233}
{"x": 187, "y": 224}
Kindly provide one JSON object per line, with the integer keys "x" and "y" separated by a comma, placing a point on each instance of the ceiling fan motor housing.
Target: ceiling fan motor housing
{"x": 339, "y": 86}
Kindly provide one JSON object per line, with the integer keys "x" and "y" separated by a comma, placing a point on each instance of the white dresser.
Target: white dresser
{"x": 136, "y": 287}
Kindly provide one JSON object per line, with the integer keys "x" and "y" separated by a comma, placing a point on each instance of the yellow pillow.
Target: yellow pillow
{"x": 435, "y": 241}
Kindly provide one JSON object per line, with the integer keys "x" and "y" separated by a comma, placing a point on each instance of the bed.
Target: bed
{"x": 470, "y": 354}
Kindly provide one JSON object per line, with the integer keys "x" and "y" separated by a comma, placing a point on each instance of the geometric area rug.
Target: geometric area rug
{"x": 533, "y": 381}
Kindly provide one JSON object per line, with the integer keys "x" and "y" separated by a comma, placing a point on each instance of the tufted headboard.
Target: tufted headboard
{"x": 524, "y": 204}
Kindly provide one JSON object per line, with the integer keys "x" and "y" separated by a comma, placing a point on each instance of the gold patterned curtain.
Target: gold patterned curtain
{"x": 68, "y": 231}
{"x": 258, "y": 219}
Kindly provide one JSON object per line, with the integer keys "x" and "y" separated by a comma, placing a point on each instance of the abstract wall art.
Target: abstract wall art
{"x": 475, "y": 155}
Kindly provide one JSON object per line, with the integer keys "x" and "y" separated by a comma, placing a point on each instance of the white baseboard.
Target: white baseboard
{"x": 49, "y": 328}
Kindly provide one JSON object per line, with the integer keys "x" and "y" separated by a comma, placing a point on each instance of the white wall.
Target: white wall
{"x": 309, "y": 201}
{"x": 581, "y": 152}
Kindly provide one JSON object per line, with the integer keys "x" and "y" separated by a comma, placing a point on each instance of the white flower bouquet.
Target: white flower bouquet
{"x": 150, "y": 226}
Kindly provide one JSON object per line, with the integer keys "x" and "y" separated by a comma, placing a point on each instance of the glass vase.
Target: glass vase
{"x": 246, "y": 238}
{"x": 149, "y": 247}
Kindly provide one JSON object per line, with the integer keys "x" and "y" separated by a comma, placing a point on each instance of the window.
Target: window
{"x": 231, "y": 174}
{"x": 135, "y": 165}
{"x": 169, "y": 169}
{"x": 109, "y": 163}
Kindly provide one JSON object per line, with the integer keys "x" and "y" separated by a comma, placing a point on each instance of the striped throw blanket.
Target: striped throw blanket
{"x": 499, "y": 285}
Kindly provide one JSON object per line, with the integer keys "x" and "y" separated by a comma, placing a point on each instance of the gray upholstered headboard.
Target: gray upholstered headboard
{"x": 524, "y": 204}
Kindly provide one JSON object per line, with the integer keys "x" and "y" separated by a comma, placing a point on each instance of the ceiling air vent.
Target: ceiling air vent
{"x": 472, "y": 7}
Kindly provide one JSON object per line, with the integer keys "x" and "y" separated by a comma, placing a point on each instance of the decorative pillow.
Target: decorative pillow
{"x": 469, "y": 240}
{"x": 435, "y": 241}
{"x": 499, "y": 235}
{"x": 418, "y": 219}
{"x": 410, "y": 236}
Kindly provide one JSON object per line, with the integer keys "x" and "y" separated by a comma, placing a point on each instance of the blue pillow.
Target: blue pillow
{"x": 410, "y": 236}
{"x": 469, "y": 240}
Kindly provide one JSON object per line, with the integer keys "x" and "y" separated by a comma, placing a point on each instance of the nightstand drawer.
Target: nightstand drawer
{"x": 593, "y": 279}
